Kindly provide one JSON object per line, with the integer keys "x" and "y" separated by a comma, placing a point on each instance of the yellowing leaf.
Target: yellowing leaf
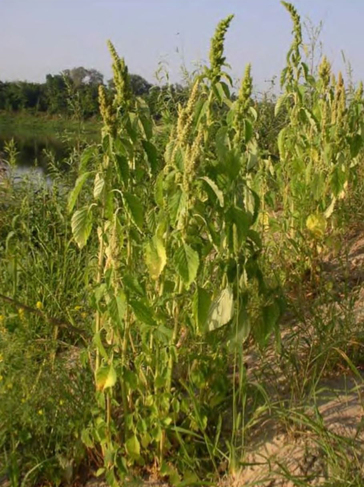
{"x": 316, "y": 225}
{"x": 221, "y": 310}
{"x": 155, "y": 257}
{"x": 105, "y": 377}
{"x": 132, "y": 447}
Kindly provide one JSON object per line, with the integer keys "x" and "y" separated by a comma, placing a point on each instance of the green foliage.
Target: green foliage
{"x": 166, "y": 260}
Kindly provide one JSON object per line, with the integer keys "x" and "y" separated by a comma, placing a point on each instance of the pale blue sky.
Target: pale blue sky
{"x": 46, "y": 36}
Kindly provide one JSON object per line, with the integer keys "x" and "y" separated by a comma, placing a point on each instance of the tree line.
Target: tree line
{"x": 76, "y": 91}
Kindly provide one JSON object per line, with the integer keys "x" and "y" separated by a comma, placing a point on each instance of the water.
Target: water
{"x": 33, "y": 149}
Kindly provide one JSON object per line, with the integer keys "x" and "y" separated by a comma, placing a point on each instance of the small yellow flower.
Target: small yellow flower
{"x": 61, "y": 402}
{"x": 40, "y": 412}
{"x": 2, "y": 318}
{"x": 1, "y": 378}
{"x": 84, "y": 315}
{"x": 77, "y": 308}
{"x": 39, "y": 305}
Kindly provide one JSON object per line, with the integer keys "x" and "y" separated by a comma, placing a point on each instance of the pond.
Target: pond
{"x": 34, "y": 151}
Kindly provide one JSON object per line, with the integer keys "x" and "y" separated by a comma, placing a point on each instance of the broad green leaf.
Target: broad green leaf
{"x": 201, "y": 307}
{"x": 81, "y": 224}
{"x": 152, "y": 155}
{"x": 135, "y": 209}
{"x": 187, "y": 262}
{"x": 96, "y": 340}
{"x": 221, "y": 310}
{"x": 338, "y": 180}
{"x": 86, "y": 156}
{"x": 147, "y": 125}
{"x": 158, "y": 190}
{"x": 86, "y": 438}
{"x": 318, "y": 186}
{"x": 280, "y": 102}
{"x": 356, "y": 144}
{"x": 269, "y": 322}
{"x": 237, "y": 223}
{"x": 219, "y": 194}
{"x": 122, "y": 168}
{"x": 132, "y": 447}
{"x": 105, "y": 377}
{"x": 155, "y": 257}
{"x": 77, "y": 189}
{"x": 99, "y": 185}
{"x": 202, "y": 110}
{"x": 249, "y": 132}
{"x": 117, "y": 308}
{"x": 132, "y": 284}
{"x": 222, "y": 143}
{"x": 281, "y": 142}
{"x": 142, "y": 311}
{"x": 177, "y": 204}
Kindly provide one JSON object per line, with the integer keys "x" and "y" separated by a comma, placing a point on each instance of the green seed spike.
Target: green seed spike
{"x": 217, "y": 59}
{"x": 359, "y": 92}
{"x": 121, "y": 78}
{"x": 297, "y": 29}
{"x": 325, "y": 72}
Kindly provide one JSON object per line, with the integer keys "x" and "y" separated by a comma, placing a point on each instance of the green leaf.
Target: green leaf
{"x": 241, "y": 221}
{"x": 77, "y": 189}
{"x": 201, "y": 306}
{"x": 158, "y": 190}
{"x": 152, "y": 155}
{"x": 96, "y": 340}
{"x": 122, "y": 168}
{"x": 86, "y": 156}
{"x": 99, "y": 185}
{"x": 177, "y": 204}
{"x": 81, "y": 224}
{"x": 155, "y": 257}
{"x": 203, "y": 106}
{"x": 117, "y": 308}
{"x": 135, "y": 209}
{"x": 270, "y": 317}
{"x": 219, "y": 194}
{"x": 105, "y": 377}
{"x": 132, "y": 447}
{"x": 222, "y": 143}
{"x": 187, "y": 262}
{"x": 249, "y": 132}
{"x": 356, "y": 144}
{"x": 132, "y": 284}
{"x": 280, "y": 102}
{"x": 221, "y": 310}
{"x": 147, "y": 125}
{"x": 142, "y": 311}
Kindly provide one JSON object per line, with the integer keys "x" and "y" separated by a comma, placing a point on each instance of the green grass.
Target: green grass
{"x": 22, "y": 124}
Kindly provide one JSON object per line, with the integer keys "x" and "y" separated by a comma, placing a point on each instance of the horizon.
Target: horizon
{"x": 40, "y": 39}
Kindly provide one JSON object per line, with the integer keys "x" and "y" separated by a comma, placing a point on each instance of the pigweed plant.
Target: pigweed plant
{"x": 181, "y": 223}
{"x": 319, "y": 147}
{"x": 178, "y": 284}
